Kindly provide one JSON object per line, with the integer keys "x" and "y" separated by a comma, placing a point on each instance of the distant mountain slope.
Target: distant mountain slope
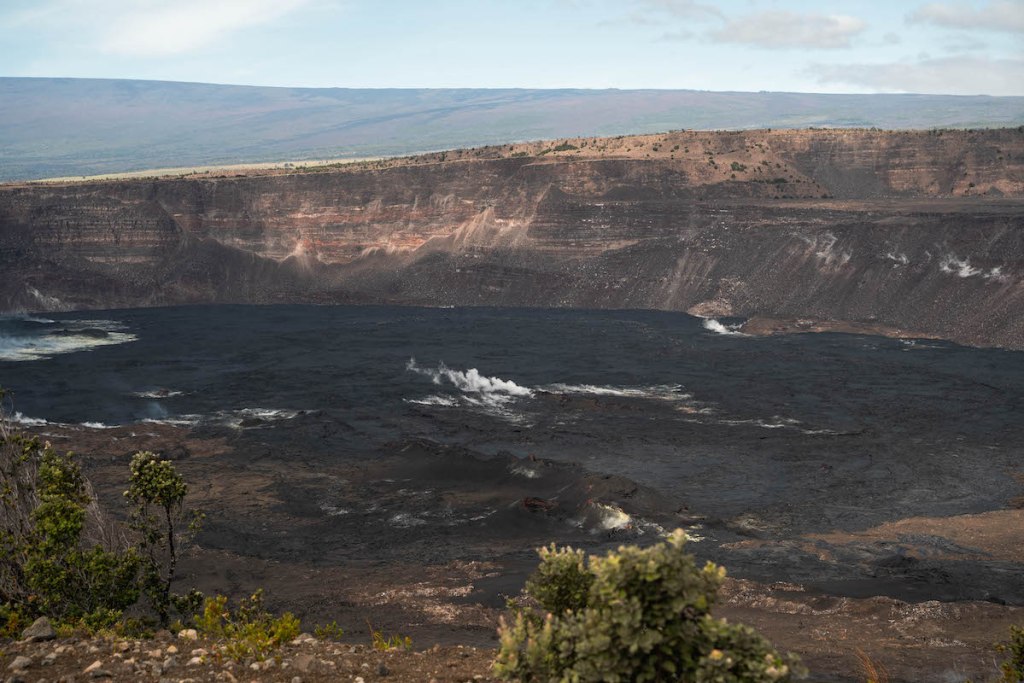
{"x": 65, "y": 127}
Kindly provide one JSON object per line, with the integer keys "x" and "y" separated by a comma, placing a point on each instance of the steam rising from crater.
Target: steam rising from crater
{"x": 469, "y": 381}
{"x": 713, "y": 325}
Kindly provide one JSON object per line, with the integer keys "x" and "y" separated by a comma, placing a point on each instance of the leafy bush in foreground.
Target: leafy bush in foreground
{"x": 51, "y": 559}
{"x": 249, "y": 630}
{"x": 61, "y": 558}
{"x": 639, "y": 614}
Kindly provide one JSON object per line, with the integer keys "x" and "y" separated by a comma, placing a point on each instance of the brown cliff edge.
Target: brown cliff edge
{"x": 918, "y": 231}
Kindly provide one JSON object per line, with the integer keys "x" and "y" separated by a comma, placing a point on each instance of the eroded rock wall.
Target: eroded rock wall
{"x": 920, "y": 231}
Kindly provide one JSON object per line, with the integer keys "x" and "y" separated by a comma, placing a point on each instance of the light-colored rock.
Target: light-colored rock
{"x": 172, "y": 649}
{"x": 92, "y": 667}
{"x": 303, "y": 662}
{"x": 20, "y": 663}
{"x": 200, "y": 652}
{"x": 188, "y": 634}
{"x": 40, "y": 630}
{"x": 195, "y": 661}
{"x": 358, "y": 679}
{"x": 155, "y": 654}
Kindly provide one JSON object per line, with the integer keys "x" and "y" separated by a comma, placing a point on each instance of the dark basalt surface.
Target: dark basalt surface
{"x": 863, "y": 491}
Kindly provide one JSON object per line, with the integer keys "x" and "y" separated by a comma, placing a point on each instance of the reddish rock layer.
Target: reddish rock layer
{"x": 918, "y": 231}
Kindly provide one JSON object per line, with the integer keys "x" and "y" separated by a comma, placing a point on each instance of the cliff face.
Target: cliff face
{"x": 919, "y": 231}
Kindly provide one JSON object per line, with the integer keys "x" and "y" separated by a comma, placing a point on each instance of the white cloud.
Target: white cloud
{"x": 156, "y": 28}
{"x": 683, "y": 8}
{"x": 964, "y": 42}
{"x": 960, "y": 75}
{"x": 675, "y": 36}
{"x": 781, "y": 29}
{"x": 1004, "y": 15}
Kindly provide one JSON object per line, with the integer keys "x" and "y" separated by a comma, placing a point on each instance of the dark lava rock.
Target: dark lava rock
{"x": 538, "y": 504}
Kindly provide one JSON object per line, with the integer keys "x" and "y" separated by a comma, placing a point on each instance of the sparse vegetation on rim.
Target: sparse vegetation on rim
{"x": 61, "y": 558}
{"x": 632, "y": 615}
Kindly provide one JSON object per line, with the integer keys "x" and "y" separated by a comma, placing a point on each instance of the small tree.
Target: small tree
{"x": 19, "y": 463}
{"x": 48, "y": 564}
{"x": 633, "y": 615}
{"x": 158, "y": 492}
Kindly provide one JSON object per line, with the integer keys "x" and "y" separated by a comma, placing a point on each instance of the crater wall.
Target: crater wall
{"x": 920, "y": 231}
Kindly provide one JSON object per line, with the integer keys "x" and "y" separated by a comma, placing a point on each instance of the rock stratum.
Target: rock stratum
{"x": 905, "y": 232}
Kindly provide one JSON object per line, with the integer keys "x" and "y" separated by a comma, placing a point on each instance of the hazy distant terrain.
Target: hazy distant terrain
{"x": 61, "y": 127}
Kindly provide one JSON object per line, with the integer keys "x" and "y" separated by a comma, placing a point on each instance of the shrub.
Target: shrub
{"x": 158, "y": 492}
{"x": 383, "y": 642}
{"x": 12, "y": 621}
{"x": 249, "y": 631}
{"x": 329, "y": 631}
{"x": 1013, "y": 668}
{"x": 633, "y": 615}
{"x": 47, "y": 563}
{"x": 52, "y": 563}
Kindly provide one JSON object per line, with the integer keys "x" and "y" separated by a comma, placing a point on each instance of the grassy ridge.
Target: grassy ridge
{"x": 73, "y": 127}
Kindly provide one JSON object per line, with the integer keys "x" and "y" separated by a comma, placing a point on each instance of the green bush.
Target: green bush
{"x": 248, "y": 632}
{"x": 329, "y": 631}
{"x": 47, "y": 563}
{"x": 639, "y": 614}
{"x": 50, "y": 567}
{"x": 383, "y": 642}
{"x": 12, "y": 621}
{"x": 1013, "y": 668}
{"x": 53, "y": 561}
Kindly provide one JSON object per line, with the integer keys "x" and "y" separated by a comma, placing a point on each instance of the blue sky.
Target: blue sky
{"x": 782, "y": 45}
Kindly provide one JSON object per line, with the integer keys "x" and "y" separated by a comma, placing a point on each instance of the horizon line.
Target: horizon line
{"x": 510, "y": 88}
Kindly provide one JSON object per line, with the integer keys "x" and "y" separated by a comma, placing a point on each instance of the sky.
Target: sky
{"x": 856, "y": 46}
